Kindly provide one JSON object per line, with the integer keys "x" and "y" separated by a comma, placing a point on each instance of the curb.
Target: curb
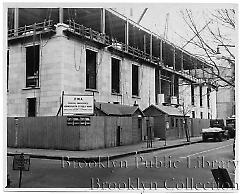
{"x": 104, "y": 158}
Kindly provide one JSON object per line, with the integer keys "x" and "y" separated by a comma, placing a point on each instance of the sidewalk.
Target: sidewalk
{"x": 105, "y": 153}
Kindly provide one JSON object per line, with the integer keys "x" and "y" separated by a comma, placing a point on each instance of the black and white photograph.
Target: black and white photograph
{"x": 130, "y": 97}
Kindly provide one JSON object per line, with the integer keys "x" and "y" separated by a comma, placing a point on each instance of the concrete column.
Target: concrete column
{"x": 203, "y": 71}
{"x": 195, "y": 69}
{"x": 61, "y": 15}
{"x": 127, "y": 34}
{"x": 160, "y": 49}
{"x": 151, "y": 45}
{"x": 190, "y": 70}
{"x": 144, "y": 43}
{"x": 181, "y": 61}
{"x": 174, "y": 59}
{"x": 16, "y": 20}
{"x": 103, "y": 21}
{"x": 172, "y": 84}
{"x": 160, "y": 82}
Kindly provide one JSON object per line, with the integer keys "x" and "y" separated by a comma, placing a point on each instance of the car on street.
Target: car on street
{"x": 230, "y": 126}
{"x": 216, "y": 131}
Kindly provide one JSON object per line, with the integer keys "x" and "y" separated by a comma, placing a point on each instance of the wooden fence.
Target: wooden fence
{"x": 54, "y": 133}
{"x": 197, "y": 125}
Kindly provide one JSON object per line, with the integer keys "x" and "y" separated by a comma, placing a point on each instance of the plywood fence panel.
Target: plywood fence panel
{"x": 110, "y": 131}
{"x": 198, "y": 124}
{"x": 53, "y": 132}
{"x": 95, "y": 133}
{"x": 126, "y": 130}
{"x": 11, "y": 132}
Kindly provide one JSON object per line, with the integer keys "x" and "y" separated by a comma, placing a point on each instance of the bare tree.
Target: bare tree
{"x": 216, "y": 36}
{"x": 185, "y": 108}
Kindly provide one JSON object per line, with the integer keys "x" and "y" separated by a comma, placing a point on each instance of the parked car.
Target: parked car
{"x": 216, "y": 131}
{"x": 230, "y": 126}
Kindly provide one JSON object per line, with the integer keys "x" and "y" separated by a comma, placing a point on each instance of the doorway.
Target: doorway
{"x": 118, "y": 139}
{"x": 31, "y": 102}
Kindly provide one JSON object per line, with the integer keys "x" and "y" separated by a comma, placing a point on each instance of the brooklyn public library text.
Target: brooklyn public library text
{"x": 141, "y": 162}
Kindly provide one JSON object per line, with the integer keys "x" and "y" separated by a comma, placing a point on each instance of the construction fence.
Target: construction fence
{"x": 197, "y": 125}
{"x": 55, "y": 133}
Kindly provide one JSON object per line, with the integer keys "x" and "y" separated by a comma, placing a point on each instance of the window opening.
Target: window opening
{"x": 115, "y": 75}
{"x": 32, "y": 66}
{"x": 31, "y": 107}
{"x": 135, "y": 80}
{"x": 91, "y": 69}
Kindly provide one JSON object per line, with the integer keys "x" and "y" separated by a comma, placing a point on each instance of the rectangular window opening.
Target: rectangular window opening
{"x": 172, "y": 121}
{"x": 7, "y": 67}
{"x": 193, "y": 114}
{"x": 31, "y": 107}
{"x": 91, "y": 74}
{"x": 115, "y": 76}
{"x": 201, "y": 115}
{"x": 208, "y": 97}
{"x": 139, "y": 123}
{"x": 192, "y": 94}
{"x": 200, "y": 93}
{"x": 32, "y": 66}
{"x": 135, "y": 80}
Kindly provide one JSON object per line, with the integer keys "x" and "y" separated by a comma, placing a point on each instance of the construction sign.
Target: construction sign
{"x": 78, "y": 105}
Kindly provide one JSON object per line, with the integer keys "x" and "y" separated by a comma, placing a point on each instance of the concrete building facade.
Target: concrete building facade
{"x": 113, "y": 58}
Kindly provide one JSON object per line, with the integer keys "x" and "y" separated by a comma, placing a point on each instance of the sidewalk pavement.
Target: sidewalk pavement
{"x": 103, "y": 154}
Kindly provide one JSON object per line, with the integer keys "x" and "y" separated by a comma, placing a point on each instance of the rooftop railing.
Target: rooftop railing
{"x": 31, "y": 29}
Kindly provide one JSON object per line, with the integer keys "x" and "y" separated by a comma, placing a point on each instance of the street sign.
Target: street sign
{"x": 77, "y": 104}
{"x": 21, "y": 162}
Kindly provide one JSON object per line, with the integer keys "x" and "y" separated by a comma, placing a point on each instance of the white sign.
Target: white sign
{"x": 77, "y": 104}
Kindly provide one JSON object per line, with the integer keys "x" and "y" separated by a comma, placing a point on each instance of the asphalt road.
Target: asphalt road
{"x": 187, "y": 167}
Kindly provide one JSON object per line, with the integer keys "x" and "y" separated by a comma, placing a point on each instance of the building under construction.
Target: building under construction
{"x": 101, "y": 52}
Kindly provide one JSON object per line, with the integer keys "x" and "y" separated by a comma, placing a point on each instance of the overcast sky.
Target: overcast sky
{"x": 155, "y": 17}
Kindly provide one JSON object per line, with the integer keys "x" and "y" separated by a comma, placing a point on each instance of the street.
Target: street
{"x": 187, "y": 167}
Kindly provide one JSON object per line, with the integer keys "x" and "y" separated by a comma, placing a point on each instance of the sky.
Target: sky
{"x": 159, "y": 15}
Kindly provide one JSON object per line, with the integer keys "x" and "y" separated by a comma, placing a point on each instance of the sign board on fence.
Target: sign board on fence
{"x": 77, "y": 104}
{"x": 73, "y": 120}
{"x": 21, "y": 162}
{"x": 77, "y": 120}
{"x": 85, "y": 121}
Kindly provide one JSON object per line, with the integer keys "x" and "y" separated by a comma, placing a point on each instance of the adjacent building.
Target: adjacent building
{"x": 225, "y": 97}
